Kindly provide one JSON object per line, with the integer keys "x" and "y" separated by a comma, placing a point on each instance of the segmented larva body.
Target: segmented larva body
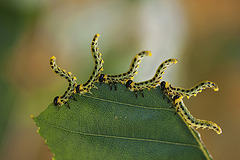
{"x": 152, "y": 83}
{"x": 60, "y": 100}
{"x": 170, "y": 90}
{"x": 122, "y": 78}
{"x": 98, "y": 68}
{"x": 192, "y": 121}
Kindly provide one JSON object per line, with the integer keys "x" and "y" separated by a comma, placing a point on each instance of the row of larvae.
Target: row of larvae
{"x": 173, "y": 93}
{"x": 73, "y": 87}
{"x": 176, "y": 95}
{"x": 95, "y": 76}
{"x": 124, "y": 78}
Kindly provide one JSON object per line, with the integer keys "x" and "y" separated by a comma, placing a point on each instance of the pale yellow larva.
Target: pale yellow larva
{"x": 61, "y": 100}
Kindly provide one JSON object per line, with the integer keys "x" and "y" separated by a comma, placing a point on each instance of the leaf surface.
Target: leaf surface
{"x": 117, "y": 125}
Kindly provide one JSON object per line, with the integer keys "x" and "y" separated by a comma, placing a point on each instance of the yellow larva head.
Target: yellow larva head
{"x": 149, "y": 53}
{"x": 97, "y": 35}
{"x": 53, "y": 58}
{"x": 175, "y": 61}
{"x": 219, "y": 130}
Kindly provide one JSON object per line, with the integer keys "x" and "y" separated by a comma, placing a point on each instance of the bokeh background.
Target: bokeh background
{"x": 203, "y": 35}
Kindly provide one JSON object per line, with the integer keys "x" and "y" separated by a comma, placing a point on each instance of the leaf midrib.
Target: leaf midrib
{"x": 117, "y": 137}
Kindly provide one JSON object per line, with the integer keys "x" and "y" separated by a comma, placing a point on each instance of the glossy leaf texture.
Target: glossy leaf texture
{"x": 117, "y": 125}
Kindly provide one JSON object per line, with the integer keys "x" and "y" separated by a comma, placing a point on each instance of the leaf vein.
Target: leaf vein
{"x": 119, "y": 137}
{"x": 126, "y": 104}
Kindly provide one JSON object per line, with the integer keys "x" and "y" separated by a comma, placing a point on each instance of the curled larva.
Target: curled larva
{"x": 192, "y": 121}
{"x": 122, "y": 78}
{"x": 60, "y": 100}
{"x": 152, "y": 83}
{"x": 170, "y": 90}
{"x": 98, "y": 68}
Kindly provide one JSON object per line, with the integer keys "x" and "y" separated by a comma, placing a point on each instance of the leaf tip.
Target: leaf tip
{"x": 32, "y": 116}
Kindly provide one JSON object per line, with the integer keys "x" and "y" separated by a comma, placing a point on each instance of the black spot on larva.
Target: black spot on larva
{"x": 151, "y": 81}
{"x": 178, "y": 89}
{"x": 51, "y": 63}
{"x": 188, "y": 118}
{"x": 132, "y": 65}
{"x": 202, "y": 83}
{"x": 93, "y": 43}
{"x": 128, "y": 83}
{"x": 55, "y": 100}
{"x": 61, "y": 75}
{"x": 208, "y": 125}
{"x": 93, "y": 50}
{"x": 135, "y": 59}
{"x": 146, "y": 82}
{"x": 208, "y": 82}
{"x": 124, "y": 74}
{"x": 161, "y": 65}
{"x": 192, "y": 89}
{"x": 162, "y": 85}
{"x": 214, "y": 127}
{"x": 56, "y": 71}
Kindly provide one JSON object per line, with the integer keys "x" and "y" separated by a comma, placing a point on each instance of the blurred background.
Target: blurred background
{"x": 203, "y": 35}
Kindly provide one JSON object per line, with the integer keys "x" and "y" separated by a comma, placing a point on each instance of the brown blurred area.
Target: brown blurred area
{"x": 212, "y": 52}
{"x": 203, "y": 35}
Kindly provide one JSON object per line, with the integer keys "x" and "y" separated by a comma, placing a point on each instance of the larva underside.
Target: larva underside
{"x": 152, "y": 83}
{"x": 60, "y": 100}
{"x": 169, "y": 89}
{"x": 122, "y": 78}
{"x": 98, "y": 68}
{"x": 192, "y": 121}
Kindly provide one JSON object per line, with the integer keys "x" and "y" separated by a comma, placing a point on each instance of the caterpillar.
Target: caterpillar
{"x": 61, "y": 100}
{"x": 152, "y": 83}
{"x": 98, "y": 68}
{"x": 192, "y": 121}
{"x": 170, "y": 90}
{"x": 122, "y": 78}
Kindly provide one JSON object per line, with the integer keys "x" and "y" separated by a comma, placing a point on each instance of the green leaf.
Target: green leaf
{"x": 117, "y": 125}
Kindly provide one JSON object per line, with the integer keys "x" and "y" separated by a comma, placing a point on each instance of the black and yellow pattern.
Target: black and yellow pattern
{"x": 129, "y": 75}
{"x": 98, "y": 68}
{"x": 61, "y": 100}
{"x": 152, "y": 83}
